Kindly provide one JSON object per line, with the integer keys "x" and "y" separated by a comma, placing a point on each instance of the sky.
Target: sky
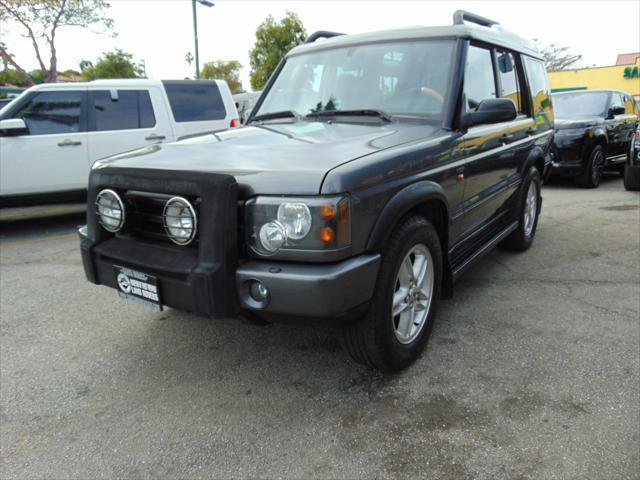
{"x": 160, "y": 32}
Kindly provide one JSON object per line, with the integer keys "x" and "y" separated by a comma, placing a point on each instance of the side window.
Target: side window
{"x": 195, "y": 101}
{"x": 507, "y": 71}
{"x": 52, "y": 112}
{"x": 540, "y": 92}
{"x": 128, "y": 110}
{"x": 617, "y": 101}
{"x": 479, "y": 79}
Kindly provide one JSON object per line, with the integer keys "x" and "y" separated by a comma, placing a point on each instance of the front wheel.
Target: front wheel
{"x": 592, "y": 173}
{"x": 398, "y": 324}
{"x": 527, "y": 213}
{"x": 631, "y": 177}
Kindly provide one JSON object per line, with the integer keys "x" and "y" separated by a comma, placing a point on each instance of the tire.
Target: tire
{"x": 592, "y": 173}
{"x": 631, "y": 178}
{"x": 379, "y": 339}
{"x": 527, "y": 213}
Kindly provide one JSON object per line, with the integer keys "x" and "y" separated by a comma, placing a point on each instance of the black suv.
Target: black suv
{"x": 594, "y": 129}
{"x": 374, "y": 170}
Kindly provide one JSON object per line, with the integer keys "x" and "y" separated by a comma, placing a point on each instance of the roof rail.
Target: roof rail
{"x": 321, "y": 34}
{"x": 460, "y": 16}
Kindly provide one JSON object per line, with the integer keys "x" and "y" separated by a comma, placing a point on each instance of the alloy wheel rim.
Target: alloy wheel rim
{"x": 530, "y": 209}
{"x": 413, "y": 293}
{"x": 596, "y": 170}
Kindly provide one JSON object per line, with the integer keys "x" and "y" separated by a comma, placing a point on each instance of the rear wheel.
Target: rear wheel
{"x": 398, "y": 324}
{"x": 527, "y": 211}
{"x": 590, "y": 177}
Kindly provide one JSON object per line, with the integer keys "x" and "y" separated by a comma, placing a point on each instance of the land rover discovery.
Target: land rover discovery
{"x": 373, "y": 171}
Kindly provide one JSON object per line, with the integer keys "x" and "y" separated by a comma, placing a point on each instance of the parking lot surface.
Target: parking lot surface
{"x": 533, "y": 371}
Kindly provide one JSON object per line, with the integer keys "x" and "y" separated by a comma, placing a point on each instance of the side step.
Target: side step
{"x": 483, "y": 245}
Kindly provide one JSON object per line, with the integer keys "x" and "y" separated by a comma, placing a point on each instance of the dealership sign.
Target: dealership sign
{"x": 631, "y": 72}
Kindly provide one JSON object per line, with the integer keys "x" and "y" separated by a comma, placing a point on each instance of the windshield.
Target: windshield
{"x": 584, "y": 104}
{"x": 399, "y": 78}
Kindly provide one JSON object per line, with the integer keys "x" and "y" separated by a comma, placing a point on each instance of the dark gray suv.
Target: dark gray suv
{"x": 372, "y": 172}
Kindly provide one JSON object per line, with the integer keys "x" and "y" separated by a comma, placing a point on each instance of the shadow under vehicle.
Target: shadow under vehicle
{"x": 374, "y": 170}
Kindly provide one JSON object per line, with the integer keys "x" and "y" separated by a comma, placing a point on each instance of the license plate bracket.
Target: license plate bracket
{"x": 138, "y": 287}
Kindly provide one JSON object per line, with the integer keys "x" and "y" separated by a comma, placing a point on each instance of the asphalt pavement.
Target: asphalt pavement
{"x": 532, "y": 372}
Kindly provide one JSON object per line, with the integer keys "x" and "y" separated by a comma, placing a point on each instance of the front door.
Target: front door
{"x": 494, "y": 152}
{"x": 52, "y": 157}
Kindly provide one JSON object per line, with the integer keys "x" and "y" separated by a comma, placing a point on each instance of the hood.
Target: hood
{"x": 290, "y": 158}
{"x": 562, "y": 123}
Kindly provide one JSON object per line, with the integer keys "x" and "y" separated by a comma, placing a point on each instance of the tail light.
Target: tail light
{"x": 234, "y": 123}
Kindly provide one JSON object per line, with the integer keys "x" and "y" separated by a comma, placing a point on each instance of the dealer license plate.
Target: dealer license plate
{"x": 138, "y": 287}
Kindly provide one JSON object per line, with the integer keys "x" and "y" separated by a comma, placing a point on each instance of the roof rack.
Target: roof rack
{"x": 321, "y": 34}
{"x": 460, "y": 16}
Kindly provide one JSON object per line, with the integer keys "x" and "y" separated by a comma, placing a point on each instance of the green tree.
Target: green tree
{"x": 40, "y": 21}
{"x": 116, "y": 64}
{"x": 222, "y": 70}
{"x": 273, "y": 41}
{"x": 13, "y": 77}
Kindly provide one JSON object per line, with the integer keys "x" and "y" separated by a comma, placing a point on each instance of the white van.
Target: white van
{"x": 52, "y": 133}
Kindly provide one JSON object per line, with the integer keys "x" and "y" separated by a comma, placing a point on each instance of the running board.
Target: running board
{"x": 458, "y": 270}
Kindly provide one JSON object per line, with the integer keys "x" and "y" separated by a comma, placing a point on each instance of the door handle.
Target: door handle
{"x": 153, "y": 136}
{"x": 69, "y": 143}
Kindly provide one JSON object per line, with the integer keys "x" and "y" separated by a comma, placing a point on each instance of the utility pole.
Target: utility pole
{"x": 206, "y": 3}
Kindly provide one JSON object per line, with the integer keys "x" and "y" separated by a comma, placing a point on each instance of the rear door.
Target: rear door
{"x": 52, "y": 157}
{"x": 125, "y": 119}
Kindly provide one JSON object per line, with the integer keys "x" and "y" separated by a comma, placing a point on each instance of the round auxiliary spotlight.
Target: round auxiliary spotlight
{"x": 110, "y": 210}
{"x": 180, "y": 220}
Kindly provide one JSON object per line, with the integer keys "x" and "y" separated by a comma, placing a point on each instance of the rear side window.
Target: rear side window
{"x": 123, "y": 110}
{"x": 52, "y": 112}
{"x": 540, "y": 93}
{"x": 195, "y": 101}
{"x": 479, "y": 80}
{"x": 507, "y": 71}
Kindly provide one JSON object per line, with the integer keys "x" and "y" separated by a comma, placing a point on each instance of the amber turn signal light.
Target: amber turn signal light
{"x": 327, "y": 212}
{"x": 327, "y": 235}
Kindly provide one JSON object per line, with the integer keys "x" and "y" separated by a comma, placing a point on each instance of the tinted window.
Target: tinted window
{"x": 617, "y": 101}
{"x": 402, "y": 78}
{"x": 129, "y": 109}
{"x": 52, "y": 112}
{"x": 507, "y": 71}
{"x": 195, "y": 101}
{"x": 479, "y": 80}
{"x": 580, "y": 104}
{"x": 540, "y": 93}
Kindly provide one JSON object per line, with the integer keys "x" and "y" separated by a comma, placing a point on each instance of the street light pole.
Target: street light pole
{"x": 206, "y": 3}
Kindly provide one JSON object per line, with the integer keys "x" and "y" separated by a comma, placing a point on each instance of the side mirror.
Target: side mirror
{"x": 492, "y": 110}
{"x": 13, "y": 127}
{"x": 613, "y": 111}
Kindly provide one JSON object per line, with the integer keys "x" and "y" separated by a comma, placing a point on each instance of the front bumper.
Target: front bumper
{"x": 566, "y": 157}
{"x": 295, "y": 290}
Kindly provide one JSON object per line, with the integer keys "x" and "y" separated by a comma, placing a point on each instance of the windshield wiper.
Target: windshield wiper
{"x": 367, "y": 112}
{"x": 276, "y": 115}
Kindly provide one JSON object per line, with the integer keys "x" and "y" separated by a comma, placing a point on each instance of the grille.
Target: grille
{"x": 145, "y": 215}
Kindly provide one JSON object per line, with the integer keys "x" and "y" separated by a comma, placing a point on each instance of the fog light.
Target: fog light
{"x": 258, "y": 291}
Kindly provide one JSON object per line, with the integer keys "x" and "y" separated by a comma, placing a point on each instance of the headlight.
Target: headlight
{"x": 276, "y": 224}
{"x": 110, "y": 210}
{"x": 296, "y": 219}
{"x": 180, "y": 220}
